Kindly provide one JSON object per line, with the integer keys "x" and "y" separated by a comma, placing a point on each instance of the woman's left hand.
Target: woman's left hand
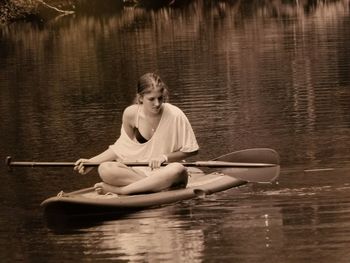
{"x": 155, "y": 163}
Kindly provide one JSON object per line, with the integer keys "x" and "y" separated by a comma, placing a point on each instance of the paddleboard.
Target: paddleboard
{"x": 88, "y": 202}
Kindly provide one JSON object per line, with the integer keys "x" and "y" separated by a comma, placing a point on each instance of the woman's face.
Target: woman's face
{"x": 152, "y": 101}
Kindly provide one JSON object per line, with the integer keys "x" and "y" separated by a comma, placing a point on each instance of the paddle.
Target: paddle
{"x": 256, "y": 155}
{"x": 245, "y": 165}
{"x": 211, "y": 164}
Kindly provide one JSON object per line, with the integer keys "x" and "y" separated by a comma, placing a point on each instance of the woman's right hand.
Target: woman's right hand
{"x": 156, "y": 163}
{"x": 79, "y": 166}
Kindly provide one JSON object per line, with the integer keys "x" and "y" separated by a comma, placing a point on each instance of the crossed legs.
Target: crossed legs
{"x": 120, "y": 179}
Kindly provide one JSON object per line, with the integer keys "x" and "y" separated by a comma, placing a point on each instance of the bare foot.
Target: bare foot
{"x": 99, "y": 188}
{"x": 103, "y": 188}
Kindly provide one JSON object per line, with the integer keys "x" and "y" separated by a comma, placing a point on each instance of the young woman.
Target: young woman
{"x": 153, "y": 131}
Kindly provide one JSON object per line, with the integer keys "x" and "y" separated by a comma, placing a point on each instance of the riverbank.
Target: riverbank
{"x": 12, "y": 10}
{"x": 39, "y": 10}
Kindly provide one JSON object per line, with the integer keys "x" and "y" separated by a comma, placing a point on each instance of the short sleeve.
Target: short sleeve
{"x": 185, "y": 135}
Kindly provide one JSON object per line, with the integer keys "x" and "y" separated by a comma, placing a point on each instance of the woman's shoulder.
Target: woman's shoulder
{"x": 174, "y": 110}
{"x": 132, "y": 109}
{"x": 130, "y": 113}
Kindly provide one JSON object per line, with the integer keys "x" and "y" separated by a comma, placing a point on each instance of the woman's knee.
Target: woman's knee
{"x": 179, "y": 170}
{"x": 107, "y": 169}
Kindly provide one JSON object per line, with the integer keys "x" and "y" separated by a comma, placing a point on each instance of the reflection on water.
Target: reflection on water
{"x": 161, "y": 239}
{"x": 247, "y": 73}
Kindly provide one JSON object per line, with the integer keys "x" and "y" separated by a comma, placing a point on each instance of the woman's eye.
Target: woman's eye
{"x": 153, "y": 99}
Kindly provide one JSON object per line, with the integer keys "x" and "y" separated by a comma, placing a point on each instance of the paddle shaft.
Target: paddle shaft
{"x": 211, "y": 164}
{"x": 259, "y": 165}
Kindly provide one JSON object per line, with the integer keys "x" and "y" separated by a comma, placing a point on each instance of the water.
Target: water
{"x": 247, "y": 74}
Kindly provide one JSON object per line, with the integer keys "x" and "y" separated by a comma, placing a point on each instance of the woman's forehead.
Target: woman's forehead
{"x": 154, "y": 93}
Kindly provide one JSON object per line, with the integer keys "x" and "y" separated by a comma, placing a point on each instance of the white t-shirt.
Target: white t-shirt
{"x": 174, "y": 133}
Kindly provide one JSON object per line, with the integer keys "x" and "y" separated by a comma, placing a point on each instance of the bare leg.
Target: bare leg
{"x": 160, "y": 179}
{"x": 118, "y": 174}
{"x": 103, "y": 188}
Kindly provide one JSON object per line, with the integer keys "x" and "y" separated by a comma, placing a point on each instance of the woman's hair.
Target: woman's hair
{"x": 149, "y": 82}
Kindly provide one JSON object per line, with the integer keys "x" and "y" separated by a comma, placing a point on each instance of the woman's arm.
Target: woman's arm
{"x": 107, "y": 155}
{"x": 129, "y": 120}
{"x": 170, "y": 157}
{"x": 179, "y": 156}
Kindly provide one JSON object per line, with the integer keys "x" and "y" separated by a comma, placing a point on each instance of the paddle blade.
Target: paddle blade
{"x": 254, "y": 175}
{"x": 255, "y": 155}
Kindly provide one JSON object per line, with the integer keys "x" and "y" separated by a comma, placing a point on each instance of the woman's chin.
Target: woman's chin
{"x": 157, "y": 110}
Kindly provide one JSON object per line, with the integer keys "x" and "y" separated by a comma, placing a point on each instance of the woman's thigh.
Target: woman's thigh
{"x": 172, "y": 175}
{"x": 118, "y": 174}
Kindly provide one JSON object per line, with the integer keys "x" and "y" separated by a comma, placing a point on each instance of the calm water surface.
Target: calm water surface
{"x": 247, "y": 74}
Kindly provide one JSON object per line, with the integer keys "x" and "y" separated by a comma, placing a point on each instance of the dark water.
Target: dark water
{"x": 247, "y": 73}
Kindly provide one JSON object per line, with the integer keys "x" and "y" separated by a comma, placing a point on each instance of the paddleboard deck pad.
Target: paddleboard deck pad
{"x": 87, "y": 202}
